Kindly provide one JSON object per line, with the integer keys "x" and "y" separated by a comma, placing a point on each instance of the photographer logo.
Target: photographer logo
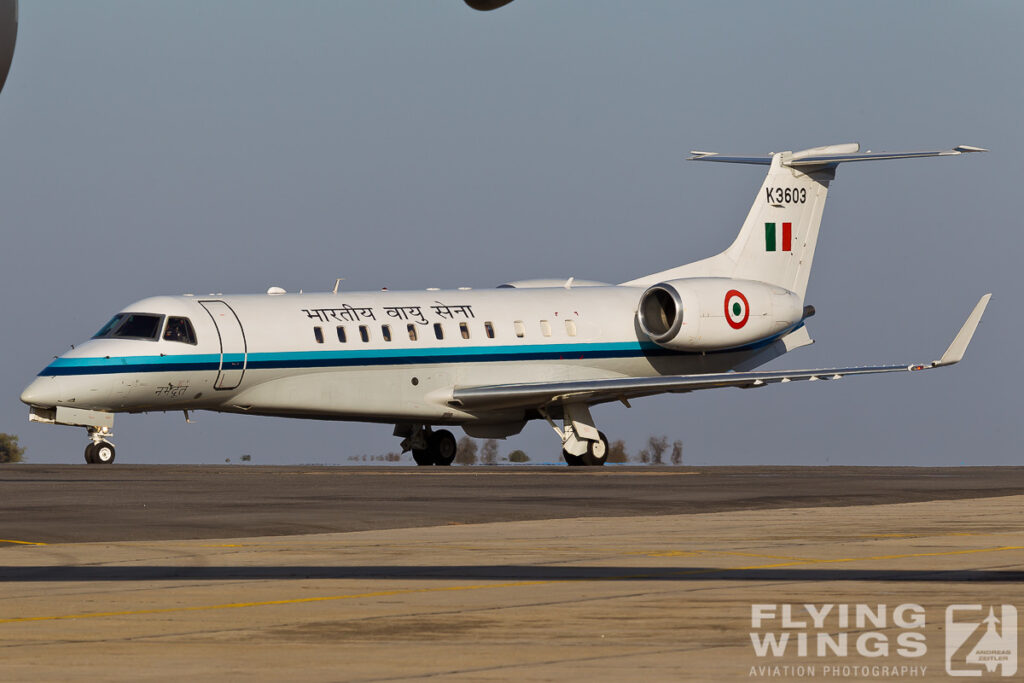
{"x": 981, "y": 639}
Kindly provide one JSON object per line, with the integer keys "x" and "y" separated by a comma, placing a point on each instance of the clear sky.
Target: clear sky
{"x": 213, "y": 146}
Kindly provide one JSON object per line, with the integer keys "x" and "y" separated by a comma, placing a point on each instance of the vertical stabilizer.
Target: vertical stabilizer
{"x": 777, "y": 240}
{"x": 776, "y": 243}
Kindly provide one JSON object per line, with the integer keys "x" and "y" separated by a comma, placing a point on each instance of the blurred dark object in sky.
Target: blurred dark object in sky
{"x": 8, "y": 34}
{"x": 482, "y": 5}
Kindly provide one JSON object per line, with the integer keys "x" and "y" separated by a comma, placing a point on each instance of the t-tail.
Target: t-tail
{"x": 776, "y": 243}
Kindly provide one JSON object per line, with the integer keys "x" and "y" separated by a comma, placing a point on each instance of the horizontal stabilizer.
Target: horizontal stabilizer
{"x": 830, "y": 155}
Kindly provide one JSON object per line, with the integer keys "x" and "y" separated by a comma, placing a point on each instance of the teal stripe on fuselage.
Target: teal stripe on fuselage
{"x": 377, "y": 357}
{"x": 127, "y": 361}
{"x": 349, "y": 358}
{"x": 452, "y": 351}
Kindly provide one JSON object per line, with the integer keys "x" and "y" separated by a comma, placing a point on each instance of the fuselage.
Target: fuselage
{"x": 388, "y": 356}
{"x": 488, "y": 360}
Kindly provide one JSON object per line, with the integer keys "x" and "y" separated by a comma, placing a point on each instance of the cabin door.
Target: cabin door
{"x": 233, "y": 352}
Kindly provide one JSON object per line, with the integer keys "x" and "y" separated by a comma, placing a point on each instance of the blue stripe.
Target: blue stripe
{"x": 372, "y": 357}
{"x": 369, "y": 357}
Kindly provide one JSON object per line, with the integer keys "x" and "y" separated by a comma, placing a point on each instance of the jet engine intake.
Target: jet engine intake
{"x": 709, "y": 314}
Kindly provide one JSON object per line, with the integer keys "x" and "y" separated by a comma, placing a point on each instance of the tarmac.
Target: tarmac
{"x": 487, "y": 574}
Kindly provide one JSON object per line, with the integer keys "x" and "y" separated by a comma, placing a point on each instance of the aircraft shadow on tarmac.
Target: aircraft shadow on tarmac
{"x": 495, "y": 573}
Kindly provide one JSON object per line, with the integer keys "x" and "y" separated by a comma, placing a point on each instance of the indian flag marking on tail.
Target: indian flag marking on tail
{"x": 773, "y": 241}
{"x": 737, "y": 310}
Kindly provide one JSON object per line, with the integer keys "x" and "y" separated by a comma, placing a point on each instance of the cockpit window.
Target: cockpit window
{"x": 108, "y": 328}
{"x": 139, "y": 326}
{"x": 180, "y": 330}
{"x": 132, "y": 326}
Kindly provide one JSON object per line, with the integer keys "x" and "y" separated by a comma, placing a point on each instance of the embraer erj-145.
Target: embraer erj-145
{"x": 487, "y": 361}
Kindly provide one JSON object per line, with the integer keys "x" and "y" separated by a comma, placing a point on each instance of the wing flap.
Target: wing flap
{"x": 500, "y": 396}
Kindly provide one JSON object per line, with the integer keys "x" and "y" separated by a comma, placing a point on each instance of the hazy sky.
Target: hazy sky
{"x": 171, "y": 147}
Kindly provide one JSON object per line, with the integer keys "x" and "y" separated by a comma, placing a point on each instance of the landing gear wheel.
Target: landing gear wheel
{"x": 597, "y": 452}
{"x": 103, "y": 453}
{"x": 423, "y": 458}
{"x": 572, "y": 460}
{"x": 99, "y": 453}
{"x": 443, "y": 447}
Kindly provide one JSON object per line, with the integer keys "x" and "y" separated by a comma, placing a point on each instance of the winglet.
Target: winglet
{"x": 966, "y": 149}
{"x": 955, "y": 352}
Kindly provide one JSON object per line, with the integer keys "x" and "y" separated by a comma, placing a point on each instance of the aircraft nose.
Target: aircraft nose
{"x": 43, "y": 391}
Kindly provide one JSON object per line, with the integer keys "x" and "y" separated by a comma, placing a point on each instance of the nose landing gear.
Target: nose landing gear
{"x": 99, "y": 451}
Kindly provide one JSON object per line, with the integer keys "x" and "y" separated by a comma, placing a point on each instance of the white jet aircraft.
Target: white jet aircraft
{"x": 487, "y": 361}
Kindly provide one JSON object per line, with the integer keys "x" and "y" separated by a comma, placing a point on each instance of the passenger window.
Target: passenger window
{"x": 520, "y": 328}
{"x": 545, "y": 328}
{"x": 364, "y": 333}
{"x": 489, "y": 329}
{"x": 570, "y": 328}
{"x": 385, "y": 330}
{"x": 319, "y": 334}
{"x": 180, "y": 330}
{"x": 342, "y": 337}
{"x": 438, "y": 331}
{"x": 412, "y": 332}
{"x": 139, "y": 326}
{"x": 464, "y": 330}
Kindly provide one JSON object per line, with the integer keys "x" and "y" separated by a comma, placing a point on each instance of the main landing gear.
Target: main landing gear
{"x": 99, "y": 451}
{"x": 596, "y": 454}
{"x": 582, "y": 443}
{"x": 428, "y": 447}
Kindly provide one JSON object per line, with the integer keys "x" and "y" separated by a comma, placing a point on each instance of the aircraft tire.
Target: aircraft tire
{"x": 90, "y": 454}
{"x": 103, "y": 453}
{"x": 572, "y": 460}
{"x": 597, "y": 452}
{"x": 423, "y": 458}
{"x": 443, "y": 447}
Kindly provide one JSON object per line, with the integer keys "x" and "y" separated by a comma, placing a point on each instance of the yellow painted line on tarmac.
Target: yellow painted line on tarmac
{"x": 929, "y": 534}
{"x": 762, "y": 555}
{"x": 886, "y": 535}
{"x": 666, "y": 553}
{"x": 268, "y": 603}
{"x": 6, "y": 540}
{"x": 558, "y": 548}
{"x": 510, "y": 584}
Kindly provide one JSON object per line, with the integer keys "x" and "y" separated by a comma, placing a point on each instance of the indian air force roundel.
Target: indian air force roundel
{"x": 737, "y": 310}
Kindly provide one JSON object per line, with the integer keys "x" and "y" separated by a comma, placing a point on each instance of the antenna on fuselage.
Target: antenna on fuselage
{"x": 337, "y": 283}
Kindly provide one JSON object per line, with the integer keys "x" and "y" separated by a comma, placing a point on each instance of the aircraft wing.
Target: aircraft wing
{"x": 590, "y": 392}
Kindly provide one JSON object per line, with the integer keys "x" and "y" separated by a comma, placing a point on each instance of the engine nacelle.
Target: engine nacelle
{"x": 707, "y": 314}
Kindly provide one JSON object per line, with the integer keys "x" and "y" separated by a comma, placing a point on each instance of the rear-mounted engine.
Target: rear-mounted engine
{"x": 704, "y": 314}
